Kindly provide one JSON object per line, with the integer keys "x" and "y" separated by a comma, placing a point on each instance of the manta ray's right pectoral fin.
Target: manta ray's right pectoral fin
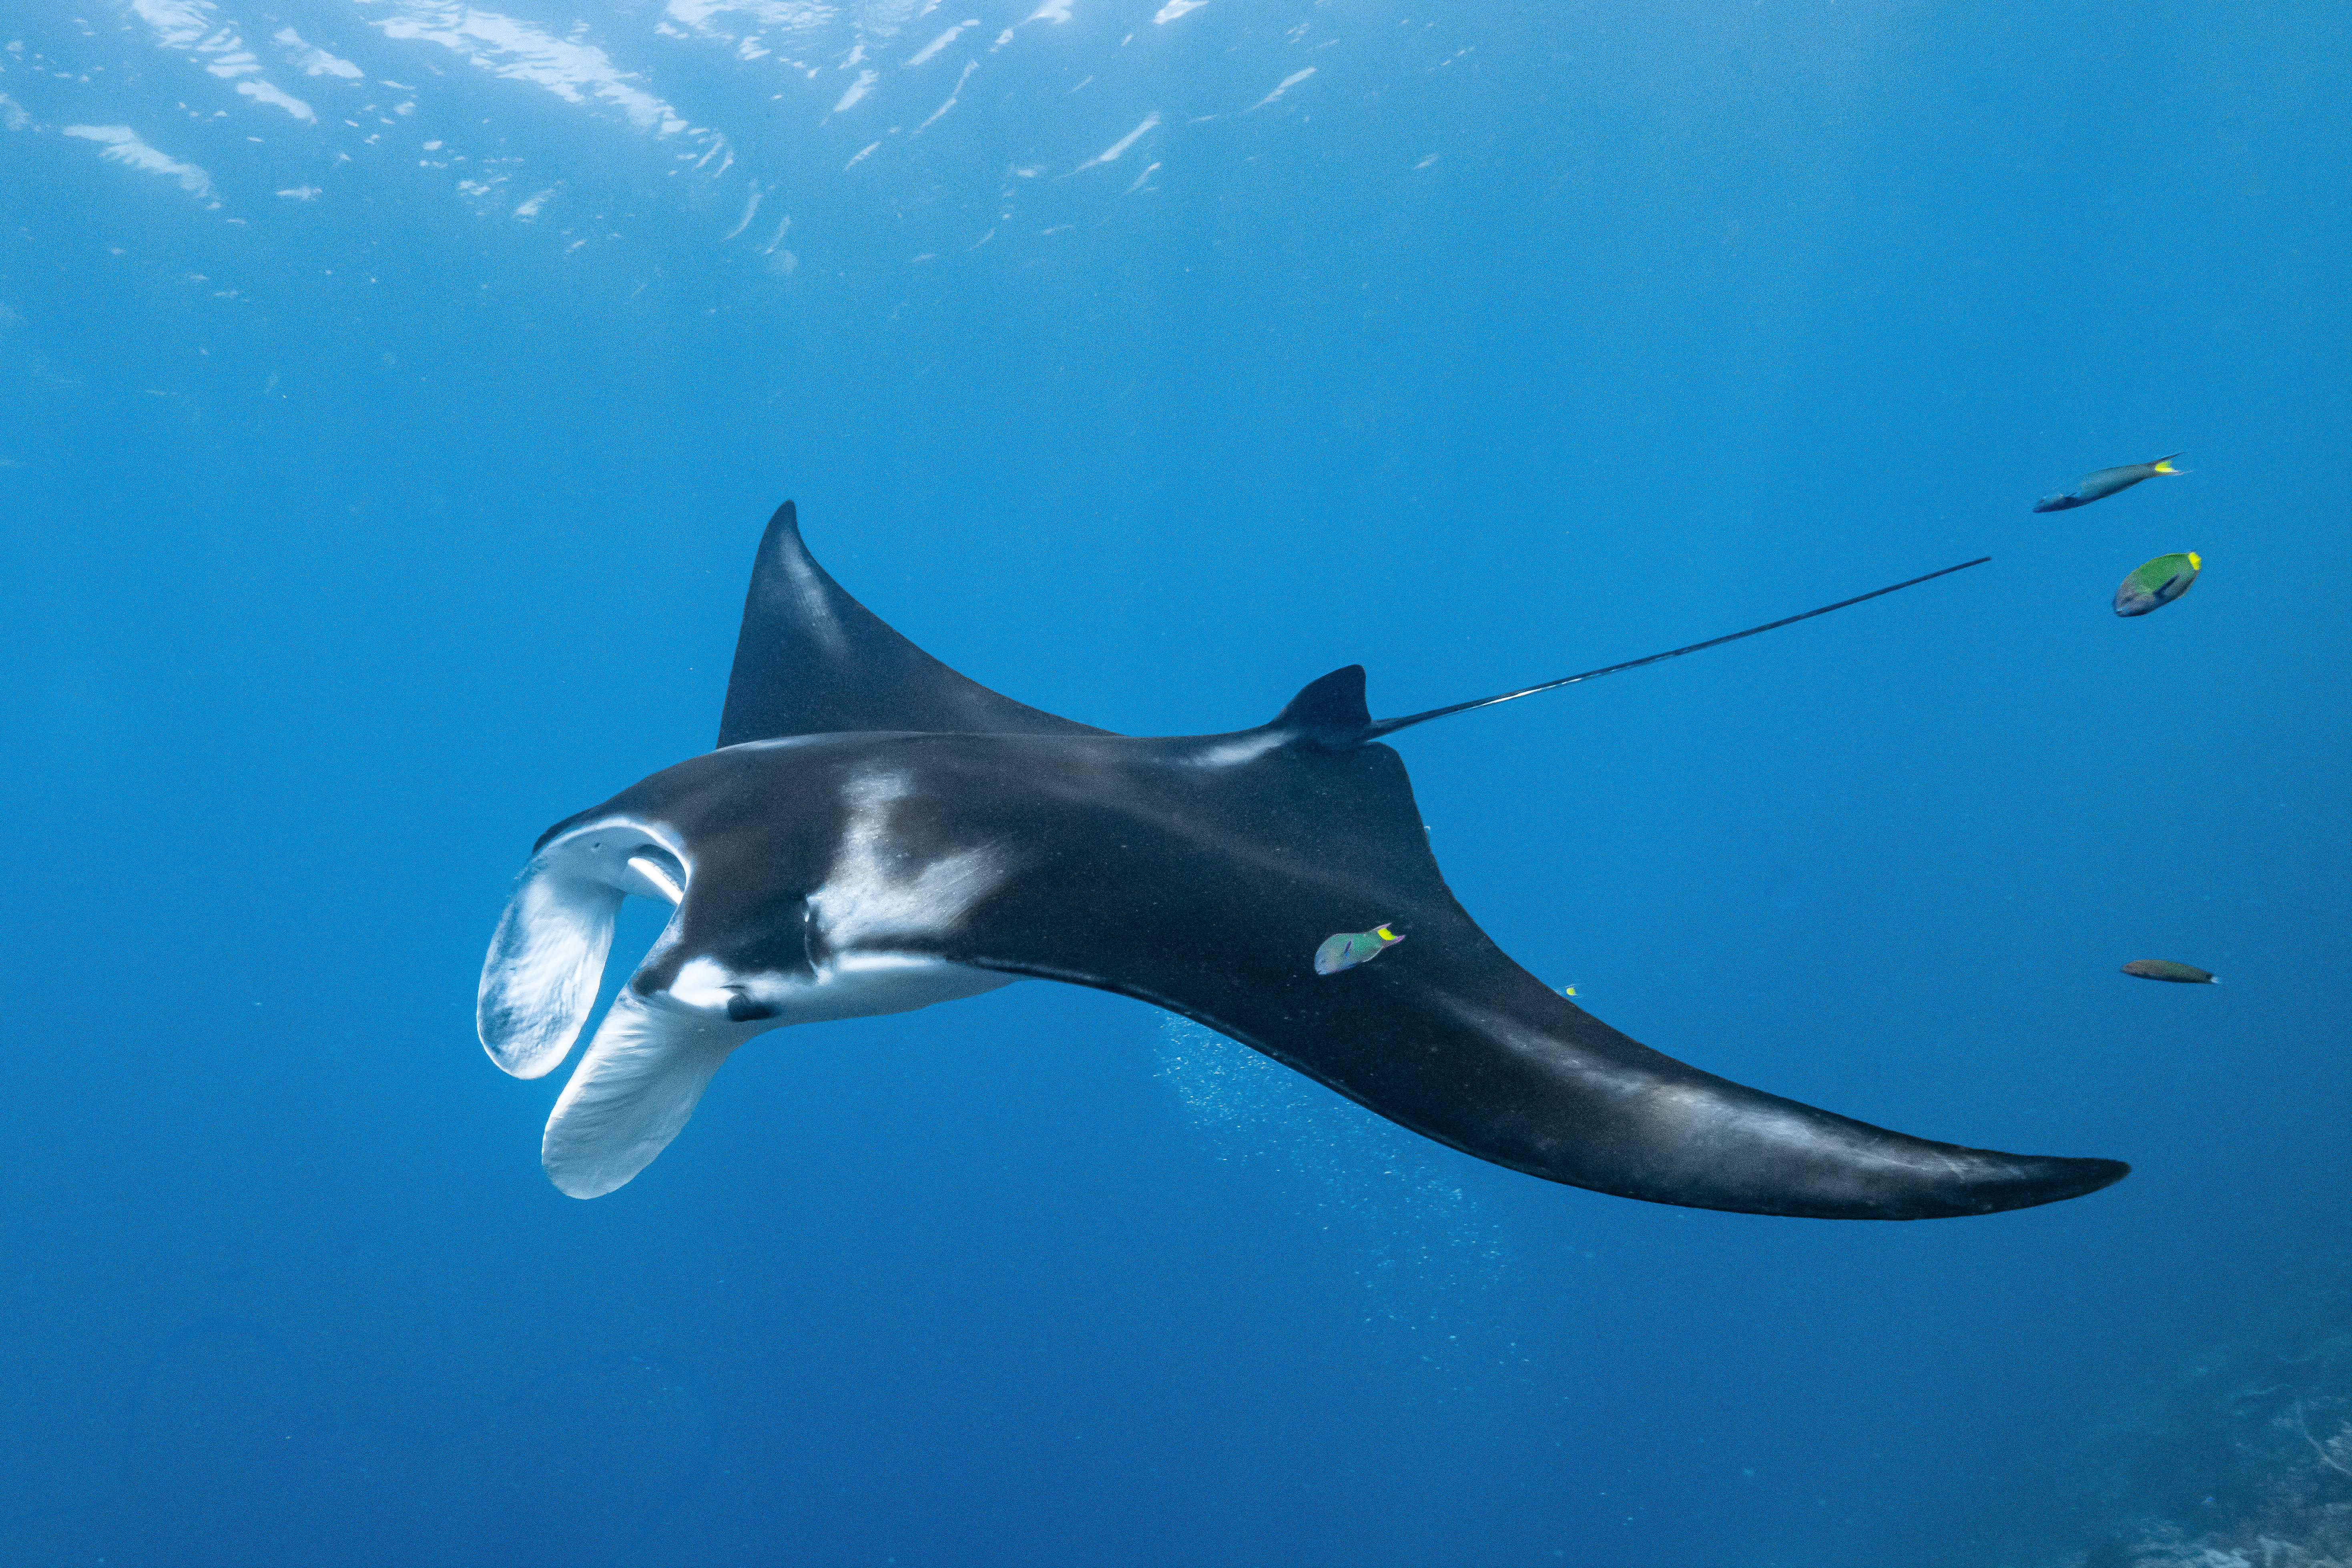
{"x": 630, "y": 1094}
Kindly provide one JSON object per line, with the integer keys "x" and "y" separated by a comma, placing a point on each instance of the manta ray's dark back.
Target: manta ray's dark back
{"x": 1208, "y": 869}
{"x": 810, "y": 660}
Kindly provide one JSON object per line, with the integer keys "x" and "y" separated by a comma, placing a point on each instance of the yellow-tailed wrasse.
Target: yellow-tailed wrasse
{"x": 2105, "y": 483}
{"x": 2158, "y": 582}
{"x": 2165, "y": 969}
{"x": 1351, "y": 948}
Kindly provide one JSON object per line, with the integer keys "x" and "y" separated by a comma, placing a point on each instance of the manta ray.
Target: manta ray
{"x": 876, "y": 832}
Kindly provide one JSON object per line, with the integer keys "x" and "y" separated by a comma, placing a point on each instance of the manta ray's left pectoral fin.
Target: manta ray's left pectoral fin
{"x": 635, "y": 1088}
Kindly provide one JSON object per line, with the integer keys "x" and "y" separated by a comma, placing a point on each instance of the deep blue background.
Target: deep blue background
{"x": 350, "y": 541}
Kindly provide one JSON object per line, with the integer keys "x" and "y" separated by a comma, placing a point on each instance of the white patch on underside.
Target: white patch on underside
{"x": 655, "y": 1055}
{"x": 852, "y": 985}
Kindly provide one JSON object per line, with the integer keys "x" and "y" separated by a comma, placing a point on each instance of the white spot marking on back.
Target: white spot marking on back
{"x": 1231, "y": 753}
{"x": 869, "y": 891}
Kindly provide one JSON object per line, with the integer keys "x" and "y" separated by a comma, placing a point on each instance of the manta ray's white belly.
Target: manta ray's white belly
{"x": 856, "y": 986}
{"x": 653, "y": 1054}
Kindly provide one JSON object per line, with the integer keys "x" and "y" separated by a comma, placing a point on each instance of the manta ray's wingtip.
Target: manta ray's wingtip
{"x": 2062, "y": 1177}
{"x": 2002, "y": 1183}
{"x": 1902, "y": 1178}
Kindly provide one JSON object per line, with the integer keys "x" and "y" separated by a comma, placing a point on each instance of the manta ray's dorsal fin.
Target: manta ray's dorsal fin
{"x": 810, "y": 660}
{"x": 1327, "y": 711}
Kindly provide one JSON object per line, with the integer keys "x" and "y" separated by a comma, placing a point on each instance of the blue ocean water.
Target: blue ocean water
{"x": 394, "y": 393}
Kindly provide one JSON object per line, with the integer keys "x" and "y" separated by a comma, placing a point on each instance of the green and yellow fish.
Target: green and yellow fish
{"x": 1351, "y": 948}
{"x": 2157, "y": 584}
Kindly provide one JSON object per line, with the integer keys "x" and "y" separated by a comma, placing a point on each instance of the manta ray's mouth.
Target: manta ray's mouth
{"x": 660, "y": 872}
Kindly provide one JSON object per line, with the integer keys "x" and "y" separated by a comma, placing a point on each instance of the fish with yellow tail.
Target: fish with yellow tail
{"x": 2156, "y": 584}
{"x": 2106, "y": 482}
{"x": 1351, "y": 948}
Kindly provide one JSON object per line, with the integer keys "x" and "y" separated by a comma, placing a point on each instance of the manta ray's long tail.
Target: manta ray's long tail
{"x": 1380, "y": 727}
